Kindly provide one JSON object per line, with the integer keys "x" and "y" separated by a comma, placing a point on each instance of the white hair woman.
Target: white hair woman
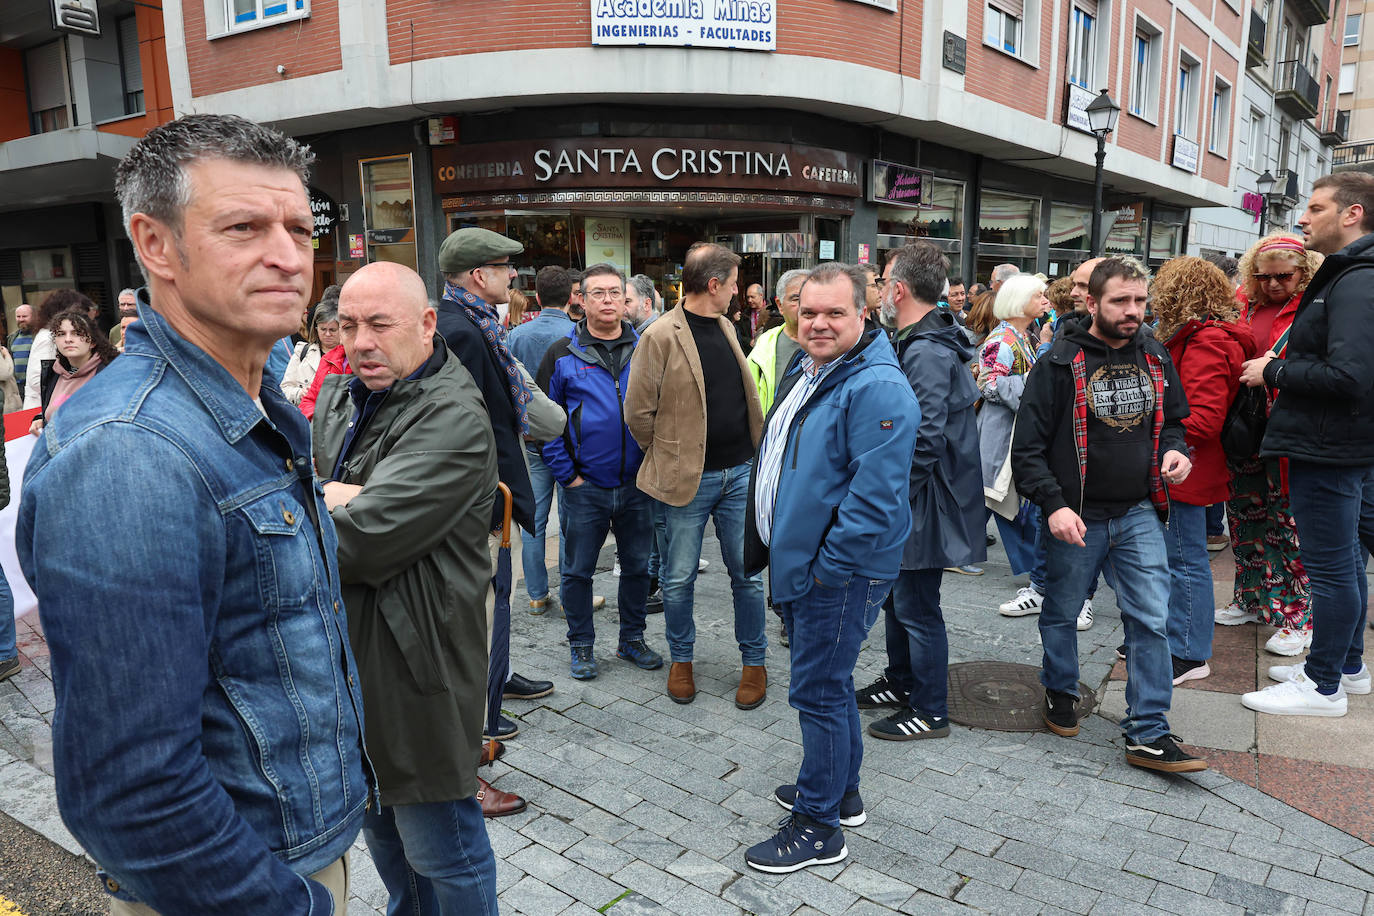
{"x": 1006, "y": 357}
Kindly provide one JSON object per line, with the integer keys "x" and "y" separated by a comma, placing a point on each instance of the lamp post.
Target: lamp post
{"x": 1264, "y": 186}
{"x": 1102, "y": 113}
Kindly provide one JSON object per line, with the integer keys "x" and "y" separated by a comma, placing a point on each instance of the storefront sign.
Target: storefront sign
{"x": 80, "y": 17}
{"x": 607, "y": 241}
{"x": 1076, "y": 108}
{"x": 1252, "y": 203}
{"x": 954, "y": 53}
{"x": 1185, "y": 154}
{"x": 864, "y": 250}
{"x": 356, "y": 247}
{"x": 746, "y": 24}
{"x": 638, "y": 163}
{"x": 390, "y": 236}
{"x": 827, "y": 249}
{"x": 442, "y": 130}
{"x": 899, "y": 185}
{"x": 325, "y": 212}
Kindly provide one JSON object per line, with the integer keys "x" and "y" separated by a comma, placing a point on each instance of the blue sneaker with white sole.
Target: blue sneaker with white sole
{"x": 852, "y": 812}
{"x": 800, "y": 842}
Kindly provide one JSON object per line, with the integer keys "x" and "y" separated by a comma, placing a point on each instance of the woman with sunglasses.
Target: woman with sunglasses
{"x": 1271, "y": 584}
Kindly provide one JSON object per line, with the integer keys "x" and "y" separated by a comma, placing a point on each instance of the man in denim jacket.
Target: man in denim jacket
{"x": 208, "y": 733}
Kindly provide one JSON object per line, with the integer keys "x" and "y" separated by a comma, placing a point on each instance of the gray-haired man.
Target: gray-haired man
{"x": 770, "y": 356}
{"x": 639, "y": 302}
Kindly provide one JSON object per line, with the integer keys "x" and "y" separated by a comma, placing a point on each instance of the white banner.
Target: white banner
{"x": 17, "y": 451}
{"x": 746, "y": 24}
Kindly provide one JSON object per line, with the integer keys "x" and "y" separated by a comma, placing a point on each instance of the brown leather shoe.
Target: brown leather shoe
{"x": 486, "y": 757}
{"x": 681, "y": 687}
{"x": 753, "y": 687}
{"x": 496, "y": 803}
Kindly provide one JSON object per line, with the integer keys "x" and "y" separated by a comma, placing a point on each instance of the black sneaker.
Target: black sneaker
{"x": 9, "y": 667}
{"x": 654, "y": 603}
{"x": 909, "y": 725}
{"x": 852, "y": 812}
{"x": 1188, "y": 670}
{"x": 1061, "y": 713}
{"x": 522, "y": 688}
{"x": 881, "y": 692}
{"x": 1121, "y": 652}
{"x": 798, "y": 843}
{"x": 1163, "y": 754}
{"x": 505, "y": 730}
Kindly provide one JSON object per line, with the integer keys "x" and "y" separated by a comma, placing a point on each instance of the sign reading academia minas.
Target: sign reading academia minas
{"x": 744, "y": 24}
{"x": 646, "y": 163}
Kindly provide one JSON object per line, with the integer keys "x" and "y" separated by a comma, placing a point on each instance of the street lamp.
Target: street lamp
{"x": 1264, "y": 186}
{"x": 1102, "y": 113}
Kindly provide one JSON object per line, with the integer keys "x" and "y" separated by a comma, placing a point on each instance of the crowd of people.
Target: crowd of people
{"x": 314, "y": 660}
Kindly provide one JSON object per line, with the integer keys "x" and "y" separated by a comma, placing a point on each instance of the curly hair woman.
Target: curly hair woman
{"x": 1271, "y": 583}
{"x": 82, "y": 351}
{"x": 1201, "y": 325}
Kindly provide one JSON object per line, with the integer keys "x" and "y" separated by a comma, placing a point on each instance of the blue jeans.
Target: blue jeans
{"x": 8, "y": 643}
{"x": 592, "y": 511}
{"x": 1025, "y": 546}
{"x": 1333, "y": 507}
{"x": 723, "y": 495}
{"x": 1132, "y": 547}
{"x": 826, "y": 628}
{"x": 1191, "y": 608}
{"x": 1216, "y": 520}
{"x": 532, "y": 547}
{"x": 660, "y": 540}
{"x": 917, "y": 644}
{"x": 434, "y": 858}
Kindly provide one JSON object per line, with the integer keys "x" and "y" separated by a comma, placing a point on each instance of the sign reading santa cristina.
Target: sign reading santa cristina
{"x": 748, "y": 24}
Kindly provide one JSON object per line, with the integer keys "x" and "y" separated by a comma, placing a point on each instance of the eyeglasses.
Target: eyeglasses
{"x": 506, "y": 264}
{"x": 605, "y": 295}
{"x": 879, "y": 281}
{"x": 1282, "y": 278}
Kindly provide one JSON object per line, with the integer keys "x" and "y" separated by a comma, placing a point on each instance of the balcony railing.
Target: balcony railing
{"x": 1310, "y": 12}
{"x": 1286, "y": 185}
{"x": 1355, "y": 154}
{"x": 1296, "y": 92}
{"x": 1335, "y": 127}
{"x": 1254, "y": 48}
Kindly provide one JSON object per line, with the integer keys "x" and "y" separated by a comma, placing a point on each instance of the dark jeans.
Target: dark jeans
{"x": 826, "y": 627}
{"x": 1216, "y": 520}
{"x": 593, "y": 511}
{"x": 1333, "y": 507}
{"x": 917, "y": 645}
{"x": 434, "y": 858}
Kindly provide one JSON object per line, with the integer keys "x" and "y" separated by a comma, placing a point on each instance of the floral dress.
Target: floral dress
{"x": 1004, "y": 360}
{"x": 1270, "y": 579}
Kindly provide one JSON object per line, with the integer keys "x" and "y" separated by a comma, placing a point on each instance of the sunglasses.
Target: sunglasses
{"x": 1282, "y": 278}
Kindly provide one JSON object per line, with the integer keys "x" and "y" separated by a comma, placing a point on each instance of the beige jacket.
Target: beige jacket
{"x": 665, "y": 407}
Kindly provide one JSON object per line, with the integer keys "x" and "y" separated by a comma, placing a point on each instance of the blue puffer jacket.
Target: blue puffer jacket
{"x": 588, "y": 377}
{"x": 842, "y": 505}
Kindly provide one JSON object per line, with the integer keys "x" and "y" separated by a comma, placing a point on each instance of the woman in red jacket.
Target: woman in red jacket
{"x": 1271, "y": 583}
{"x": 1200, "y": 323}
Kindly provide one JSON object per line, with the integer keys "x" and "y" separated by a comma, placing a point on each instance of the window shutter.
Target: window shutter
{"x": 128, "y": 49}
{"x": 1087, "y": 6}
{"x": 1015, "y": 8}
{"x": 46, "y": 75}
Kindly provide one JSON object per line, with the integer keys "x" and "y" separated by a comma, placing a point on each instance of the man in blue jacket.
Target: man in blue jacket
{"x": 596, "y": 460}
{"x": 828, "y": 515}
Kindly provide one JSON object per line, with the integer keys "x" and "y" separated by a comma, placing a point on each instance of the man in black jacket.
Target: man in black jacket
{"x": 1098, "y": 438}
{"x": 478, "y": 269}
{"x": 947, "y": 515}
{"x": 1323, "y": 423}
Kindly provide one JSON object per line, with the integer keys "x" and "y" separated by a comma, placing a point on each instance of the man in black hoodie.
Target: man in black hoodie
{"x": 1099, "y": 437}
{"x": 947, "y": 514}
{"x": 1323, "y": 423}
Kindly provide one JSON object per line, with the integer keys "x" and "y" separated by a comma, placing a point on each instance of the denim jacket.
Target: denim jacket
{"x": 208, "y": 733}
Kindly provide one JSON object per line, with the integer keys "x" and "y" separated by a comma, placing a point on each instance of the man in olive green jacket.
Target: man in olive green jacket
{"x": 409, "y": 463}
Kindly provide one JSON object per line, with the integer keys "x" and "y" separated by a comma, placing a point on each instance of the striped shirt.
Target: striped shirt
{"x": 19, "y": 349}
{"x": 768, "y": 469}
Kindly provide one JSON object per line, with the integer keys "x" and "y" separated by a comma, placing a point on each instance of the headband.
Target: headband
{"x": 1282, "y": 244}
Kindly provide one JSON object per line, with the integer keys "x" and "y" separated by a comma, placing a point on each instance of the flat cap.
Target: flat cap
{"x": 471, "y": 246}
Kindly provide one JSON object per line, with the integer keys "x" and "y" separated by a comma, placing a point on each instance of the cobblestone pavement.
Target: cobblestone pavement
{"x": 639, "y": 805}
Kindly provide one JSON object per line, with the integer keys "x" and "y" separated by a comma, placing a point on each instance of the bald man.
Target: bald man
{"x": 1080, "y": 276}
{"x": 409, "y": 463}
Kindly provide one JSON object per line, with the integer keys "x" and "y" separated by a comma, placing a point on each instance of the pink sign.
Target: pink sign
{"x": 863, "y": 253}
{"x": 1252, "y": 203}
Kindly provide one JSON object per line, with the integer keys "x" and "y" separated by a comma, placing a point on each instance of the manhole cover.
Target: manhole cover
{"x": 1003, "y": 697}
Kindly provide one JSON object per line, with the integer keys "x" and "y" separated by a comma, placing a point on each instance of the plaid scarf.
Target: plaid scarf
{"x": 483, "y": 314}
{"x": 1158, "y": 494}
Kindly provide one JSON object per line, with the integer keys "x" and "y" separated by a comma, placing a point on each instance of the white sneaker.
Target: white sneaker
{"x": 1357, "y": 683}
{"x": 1296, "y": 697}
{"x": 702, "y": 564}
{"x": 1085, "y": 616}
{"x": 1232, "y": 616}
{"x": 1026, "y": 602}
{"x": 1288, "y": 641}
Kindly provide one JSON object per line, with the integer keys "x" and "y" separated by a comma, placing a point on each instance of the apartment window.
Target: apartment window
{"x": 1347, "y": 78}
{"x": 130, "y": 65}
{"x": 1220, "y": 130}
{"x": 50, "y": 106}
{"x": 1284, "y": 160}
{"x": 1082, "y": 43}
{"x": 1352, "y": 29}
{"x": 1185, "y": 120}
{"x": 1145, "y": 72}
{"x": 1256, "y": 141}
{"x": 248, "y": 14}
{"x": 1004, "y": 25}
